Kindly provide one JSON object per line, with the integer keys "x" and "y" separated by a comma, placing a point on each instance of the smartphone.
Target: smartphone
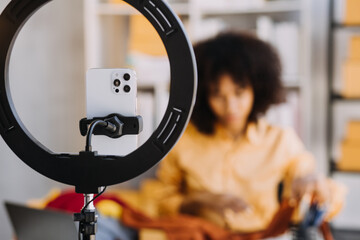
{"x": 111, "y": 91}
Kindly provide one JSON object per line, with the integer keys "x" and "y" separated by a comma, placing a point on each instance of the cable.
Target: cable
{"x": 79, "y": 234}
{"x": 108, "y": 126}
{"x": 87, "y": 204}
{"x": 84, "y": 208}
{"x": 90, "y": 132}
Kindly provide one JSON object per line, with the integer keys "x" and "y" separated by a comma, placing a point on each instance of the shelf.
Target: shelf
{"x": 346, "y": 26}
{"x": 348, "y": 234}
{"x": 184, "y": 8}
{"x": 127, "y": 10}
{"x": 292, "y": 85}
{"x": 268, "y": 7}
{"x": 337, "y": 97}
{"x": 334, "y": 169}
{"x": 292, "y": 81}
{"x": 345, "y": 171}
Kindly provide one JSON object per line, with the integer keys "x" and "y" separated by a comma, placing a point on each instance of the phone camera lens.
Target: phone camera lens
{"x": 127, "y": 88}
{"x": 126, "y": 76}
{"x": 117, "y": 90}
{"x": 116, "y": 82}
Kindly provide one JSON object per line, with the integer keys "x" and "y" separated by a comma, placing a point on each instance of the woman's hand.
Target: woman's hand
{"x": 313, "y": 185}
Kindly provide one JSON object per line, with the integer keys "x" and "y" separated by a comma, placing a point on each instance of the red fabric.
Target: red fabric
{"x": 73, "y": 202}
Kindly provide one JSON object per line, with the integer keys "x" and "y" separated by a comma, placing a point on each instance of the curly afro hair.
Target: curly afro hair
{"x": 249, "y": 61}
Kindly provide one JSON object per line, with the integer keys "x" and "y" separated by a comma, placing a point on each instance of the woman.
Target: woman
{"x": 229, "y": 163}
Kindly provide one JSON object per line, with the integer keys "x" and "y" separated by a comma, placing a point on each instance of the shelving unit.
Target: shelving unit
{"x": 245, "y": 18}
{"x": 334, "y": 93}
{"x": 341, "y": 109}
{"x": 308, "y": 84}
{"x": 195, "y": 14}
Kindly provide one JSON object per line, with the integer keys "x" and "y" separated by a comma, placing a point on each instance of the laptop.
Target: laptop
{"x": 40, "y": 224}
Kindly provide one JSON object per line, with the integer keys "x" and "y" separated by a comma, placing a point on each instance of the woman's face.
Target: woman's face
{"x": 230, "y": 102}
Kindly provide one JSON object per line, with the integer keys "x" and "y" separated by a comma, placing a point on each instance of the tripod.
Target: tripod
{"x": 114, "y": 126}
{"x": 88, "y": 217}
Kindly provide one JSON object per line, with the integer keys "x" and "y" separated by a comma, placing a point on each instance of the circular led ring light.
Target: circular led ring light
{"x": 86, "y": 171}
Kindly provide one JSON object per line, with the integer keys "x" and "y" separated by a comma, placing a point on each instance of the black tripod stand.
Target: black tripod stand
{"x": 114, "y": 126}
{"x": 87, "y": 218}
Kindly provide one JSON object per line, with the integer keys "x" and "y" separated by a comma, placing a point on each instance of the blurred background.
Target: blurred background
{"x": 318, "y": 42}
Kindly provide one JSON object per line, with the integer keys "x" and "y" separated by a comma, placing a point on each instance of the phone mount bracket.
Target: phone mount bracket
{"x": 124, "y": 125}
{"x": 88, "y": 173}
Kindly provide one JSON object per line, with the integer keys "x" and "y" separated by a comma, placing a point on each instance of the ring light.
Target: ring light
{"x": 87, "y": 171}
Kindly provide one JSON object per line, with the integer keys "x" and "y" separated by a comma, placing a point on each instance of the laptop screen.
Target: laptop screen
{"x": 36, "y": 224}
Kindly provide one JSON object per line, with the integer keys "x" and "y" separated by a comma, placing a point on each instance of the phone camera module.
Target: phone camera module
{"x": 126, "y": 77}
{"x": 117, "y": 82}
{"x": 127, "y": 88}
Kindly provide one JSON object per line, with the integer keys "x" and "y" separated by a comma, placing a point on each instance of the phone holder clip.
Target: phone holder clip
{"x": 124, "y": 125}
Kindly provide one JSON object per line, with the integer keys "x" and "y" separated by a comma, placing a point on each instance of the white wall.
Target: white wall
{"x": 47, "y": 82}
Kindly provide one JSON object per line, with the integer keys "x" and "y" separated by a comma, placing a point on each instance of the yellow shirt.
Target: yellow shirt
{"x": 250, "y": 168}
